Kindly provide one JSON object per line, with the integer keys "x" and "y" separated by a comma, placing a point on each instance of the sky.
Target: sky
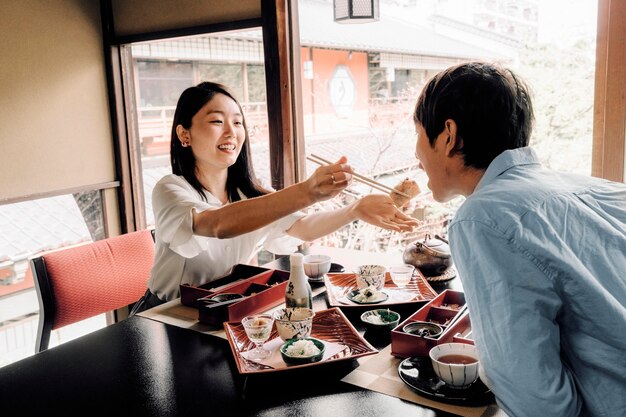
{"x": 560, "y": 20}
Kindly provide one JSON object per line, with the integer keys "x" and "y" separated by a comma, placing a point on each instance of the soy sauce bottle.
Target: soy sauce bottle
{"x": 298, "y": 291}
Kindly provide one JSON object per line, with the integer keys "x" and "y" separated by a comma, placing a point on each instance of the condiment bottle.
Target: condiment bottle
{"x": 298, "y": 291}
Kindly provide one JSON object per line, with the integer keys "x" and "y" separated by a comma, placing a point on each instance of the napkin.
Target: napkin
{"x": 275, "y": 360}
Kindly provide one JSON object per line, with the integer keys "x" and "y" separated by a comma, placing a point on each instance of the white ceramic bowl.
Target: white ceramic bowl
{"x": 453, "y": 372}
{"x": 294, "y": 322}
{"x": 370, "y": 276}
{"x": 316, "y": 266}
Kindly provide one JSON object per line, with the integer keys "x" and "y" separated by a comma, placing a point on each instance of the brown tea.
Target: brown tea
{"x": 457, "y": 359}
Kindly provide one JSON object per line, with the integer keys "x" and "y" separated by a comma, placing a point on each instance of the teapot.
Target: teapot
{"x": 431, "y": 256}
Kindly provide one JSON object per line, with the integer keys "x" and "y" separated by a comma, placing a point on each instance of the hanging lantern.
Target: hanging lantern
{"x": 356, "y": 11}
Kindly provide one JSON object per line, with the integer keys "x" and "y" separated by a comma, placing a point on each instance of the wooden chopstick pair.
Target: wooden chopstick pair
{"x": 374, "y": 184}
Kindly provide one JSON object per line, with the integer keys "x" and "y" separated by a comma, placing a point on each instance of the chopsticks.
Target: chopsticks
{"x": 458, "y": 315}
{"x": 223, "y": 303}
{"x": 374, "y": 184}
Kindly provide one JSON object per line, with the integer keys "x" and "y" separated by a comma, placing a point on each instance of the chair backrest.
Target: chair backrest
{"x": 87, "y": 280}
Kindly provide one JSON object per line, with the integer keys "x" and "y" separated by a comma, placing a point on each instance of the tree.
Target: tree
{"x": 561, "y": 81}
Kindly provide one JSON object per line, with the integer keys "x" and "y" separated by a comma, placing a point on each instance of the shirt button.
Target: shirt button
{"x": 229, "y": 248}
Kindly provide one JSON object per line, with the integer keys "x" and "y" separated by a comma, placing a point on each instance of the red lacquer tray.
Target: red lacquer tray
{"x": 328, "y": 325}
{"x": 339, "y": 285}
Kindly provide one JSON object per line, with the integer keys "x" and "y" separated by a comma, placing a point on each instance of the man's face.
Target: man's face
{"x": 433, "y": 161}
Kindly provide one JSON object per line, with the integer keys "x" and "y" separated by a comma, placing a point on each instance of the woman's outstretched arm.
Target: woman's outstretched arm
{"x": 248, "y": 215}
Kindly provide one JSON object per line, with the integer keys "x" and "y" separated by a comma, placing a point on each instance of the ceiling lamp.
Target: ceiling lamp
{"x": 356, "y": 11}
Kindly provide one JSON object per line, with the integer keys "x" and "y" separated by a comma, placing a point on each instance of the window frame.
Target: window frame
{"x": 128, "y": 158}
{"x": 609, "y": 122}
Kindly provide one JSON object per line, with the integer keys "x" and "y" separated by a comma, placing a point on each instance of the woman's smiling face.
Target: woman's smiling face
{"x": 217, "y": 133}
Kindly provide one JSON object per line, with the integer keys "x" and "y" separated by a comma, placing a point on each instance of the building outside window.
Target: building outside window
{"x": 389, "y": 61}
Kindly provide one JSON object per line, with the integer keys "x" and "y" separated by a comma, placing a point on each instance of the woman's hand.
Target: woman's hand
{"x": 379, "y": 210}
{"x": 329, "y": 180}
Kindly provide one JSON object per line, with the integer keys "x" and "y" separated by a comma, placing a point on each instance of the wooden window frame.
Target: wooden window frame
{"x": 128, "y": 167}
{"x": 609, "y": 122}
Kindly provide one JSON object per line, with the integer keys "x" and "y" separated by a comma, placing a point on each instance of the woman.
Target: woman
{"x": 212, "y": 214}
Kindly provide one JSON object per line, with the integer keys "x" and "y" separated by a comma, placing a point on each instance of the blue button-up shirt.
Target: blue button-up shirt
{"x": 542, "y": 259}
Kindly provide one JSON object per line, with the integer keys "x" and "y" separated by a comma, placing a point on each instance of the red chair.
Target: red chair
{"x": 76, "y": 283}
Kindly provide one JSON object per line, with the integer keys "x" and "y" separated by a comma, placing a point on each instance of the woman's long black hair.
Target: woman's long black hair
{"x": 240, "y": 174}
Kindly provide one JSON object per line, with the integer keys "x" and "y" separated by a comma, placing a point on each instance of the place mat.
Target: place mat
{"x": 177, "y": 314}
{"x": 340, "y": 285}
{"x": 380, "y": 373}
{"x": 275, "y": 360}
{"x": 180, "y": 315}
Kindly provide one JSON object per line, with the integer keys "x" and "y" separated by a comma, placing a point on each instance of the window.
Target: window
{"x": 28, "y": 228}
{"x": 360, "y": 83}
{"x": 162, "y": 69}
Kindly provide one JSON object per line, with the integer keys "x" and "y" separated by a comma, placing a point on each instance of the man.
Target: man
{"x": 541, "y": 254}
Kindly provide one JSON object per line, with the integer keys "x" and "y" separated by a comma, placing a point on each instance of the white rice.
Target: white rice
{"x": 376, "y": 319}
{"x": 302, "y": 348}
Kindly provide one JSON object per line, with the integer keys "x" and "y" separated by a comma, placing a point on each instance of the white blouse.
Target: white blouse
{"x": 184, "y": 258}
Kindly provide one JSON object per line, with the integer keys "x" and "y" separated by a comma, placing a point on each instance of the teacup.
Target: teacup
{"x": 294, "y": 322}
{"x": 370, "y": 276}
{"x": 455, "y": 363}
{"x": 316, "y": 266}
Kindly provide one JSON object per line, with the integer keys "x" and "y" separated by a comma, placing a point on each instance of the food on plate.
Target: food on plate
{"x": 406, "y": 186}
{"x": 302, "y": 349}
{"x": 367, "y": 294}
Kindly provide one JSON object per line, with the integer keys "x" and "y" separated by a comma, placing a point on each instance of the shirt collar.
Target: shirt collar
{"x": 507, "y": 160}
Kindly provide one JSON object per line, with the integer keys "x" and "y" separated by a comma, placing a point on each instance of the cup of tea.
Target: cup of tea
{"x": 316, "y": 266}
{"x": 456, "y": 364}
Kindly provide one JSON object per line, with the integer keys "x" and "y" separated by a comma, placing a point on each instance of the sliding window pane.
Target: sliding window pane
{"x": 27, "y": 229}
{"x": 360, "y": 83}
{"x": 161, "y": 70}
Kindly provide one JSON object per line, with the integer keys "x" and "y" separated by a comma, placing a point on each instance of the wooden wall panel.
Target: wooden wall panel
{"x": 56, "y": 133}
{"x": 609, "y": 138}
{"x": 146, "y": 16}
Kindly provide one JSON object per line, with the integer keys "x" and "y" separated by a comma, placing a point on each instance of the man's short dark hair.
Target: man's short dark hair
{"x": 490, "y": 105}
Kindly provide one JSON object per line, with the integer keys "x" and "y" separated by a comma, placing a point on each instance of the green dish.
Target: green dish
{"x": 380, "y": 320}
{"x": 301, "y": 360}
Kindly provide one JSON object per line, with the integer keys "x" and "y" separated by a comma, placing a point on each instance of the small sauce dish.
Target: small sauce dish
{"x": 423, "y": 329}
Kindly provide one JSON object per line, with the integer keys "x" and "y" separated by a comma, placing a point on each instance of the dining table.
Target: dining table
{"x": 164, "y": 362}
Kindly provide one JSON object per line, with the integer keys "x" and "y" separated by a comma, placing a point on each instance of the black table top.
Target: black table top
{"x": 141, "y": 367}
